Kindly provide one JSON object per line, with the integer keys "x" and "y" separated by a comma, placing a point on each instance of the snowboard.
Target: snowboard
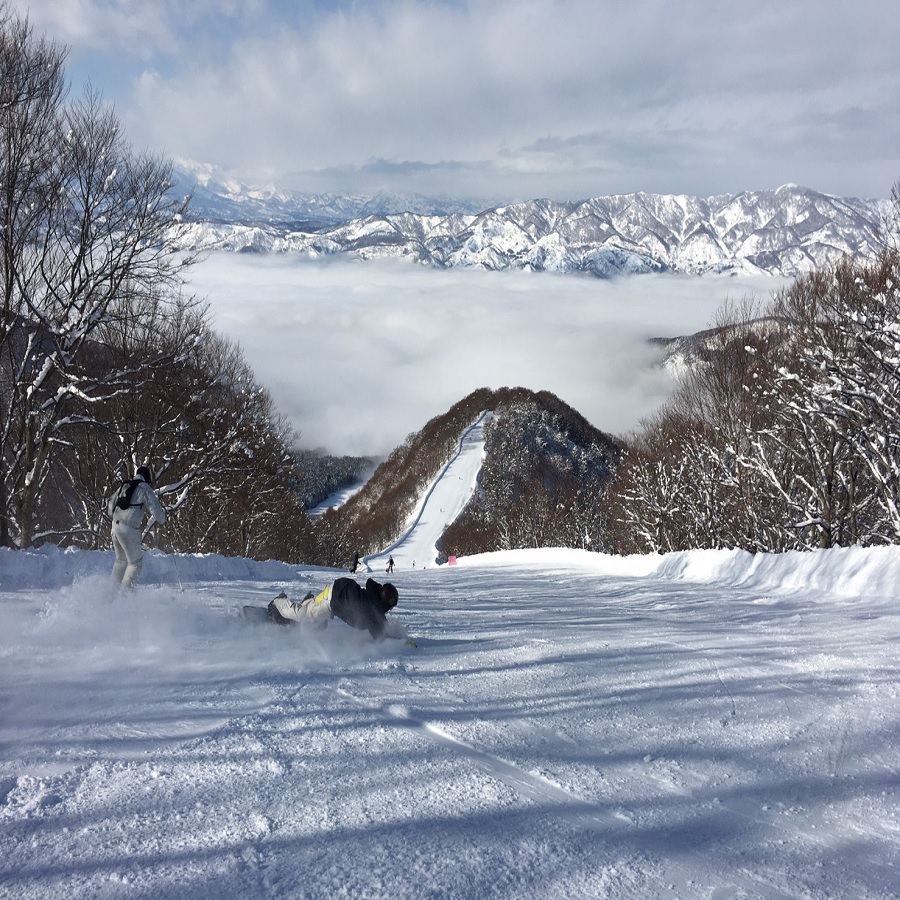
{"x": 257, "y": 614}
{"x": 260, "y": 615}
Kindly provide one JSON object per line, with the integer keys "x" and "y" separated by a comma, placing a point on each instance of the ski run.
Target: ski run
{"x": 707, "y": 724}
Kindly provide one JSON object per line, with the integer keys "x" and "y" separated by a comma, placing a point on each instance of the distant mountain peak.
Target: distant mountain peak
{"x": 220, "y": 198}
{"x": 786, "y": 231}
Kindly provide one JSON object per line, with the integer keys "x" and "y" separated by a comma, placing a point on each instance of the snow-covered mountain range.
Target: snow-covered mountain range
{"x": 787, "y": 231}
{"x": 217, "y": 199}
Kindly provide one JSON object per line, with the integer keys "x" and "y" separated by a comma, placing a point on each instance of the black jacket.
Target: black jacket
{"x": 358, "y": 607}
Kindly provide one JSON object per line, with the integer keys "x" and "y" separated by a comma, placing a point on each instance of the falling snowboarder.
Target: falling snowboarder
{"x": 362, "y": 608}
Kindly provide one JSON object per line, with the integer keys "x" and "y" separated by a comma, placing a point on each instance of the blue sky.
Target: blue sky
{"x": 500, "y": 99}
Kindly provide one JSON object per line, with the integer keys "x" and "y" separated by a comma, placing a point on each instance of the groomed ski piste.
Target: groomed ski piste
{"x": 570, "y": 725}
{"x": 438, "y": 507}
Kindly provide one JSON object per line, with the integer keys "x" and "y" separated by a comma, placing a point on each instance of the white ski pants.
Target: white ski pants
{"x": 126, "y": 541}
{"x": 311, "y": 611}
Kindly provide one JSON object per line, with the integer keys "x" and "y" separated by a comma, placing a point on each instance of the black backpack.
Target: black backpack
{"x": 126, "y": 492}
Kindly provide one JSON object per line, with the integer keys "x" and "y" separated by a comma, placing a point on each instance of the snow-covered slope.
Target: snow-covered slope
{"x": 440, "y": 505}
{"x": 570, "y": 724}
{"x": 784, "y": 232}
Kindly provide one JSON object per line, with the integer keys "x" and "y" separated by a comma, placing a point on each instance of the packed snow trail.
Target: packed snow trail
{"x": 570, "y": 725}
{"x": 440, "y": 505}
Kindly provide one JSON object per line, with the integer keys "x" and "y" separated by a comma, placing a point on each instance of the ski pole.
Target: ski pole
{"x": 177, "y": 576}
{"x": 174, "y": 562}
{"x": 76, "y": 564}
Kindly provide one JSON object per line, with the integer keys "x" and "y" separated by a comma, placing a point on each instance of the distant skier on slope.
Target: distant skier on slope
{"x": 127, "y": 507}
{"x": 362, "y": 608}
{"x": 355, "y": 564}
{"x": 390, "y": 565}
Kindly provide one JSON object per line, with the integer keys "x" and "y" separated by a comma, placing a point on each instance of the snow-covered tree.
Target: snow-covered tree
{"x": 686, "y": 482}
{"x": 87, "y": 225}
{"x": 842, "y": 394}
{"x": 785, "y": 433}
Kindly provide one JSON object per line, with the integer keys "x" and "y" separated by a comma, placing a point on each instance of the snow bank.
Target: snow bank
{"x": 849, "y": 571}
{"x": 49, "y": 566}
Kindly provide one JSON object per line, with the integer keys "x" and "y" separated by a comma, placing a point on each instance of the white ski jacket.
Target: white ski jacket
{"x": 143, "y": 500}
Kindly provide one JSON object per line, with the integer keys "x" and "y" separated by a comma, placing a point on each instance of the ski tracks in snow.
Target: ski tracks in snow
{"x": 529, "y": 785}
{"x": 404, "y": 706}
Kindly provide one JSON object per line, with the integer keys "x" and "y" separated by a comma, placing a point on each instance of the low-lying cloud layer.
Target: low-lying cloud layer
{"x": 359, "y": 355}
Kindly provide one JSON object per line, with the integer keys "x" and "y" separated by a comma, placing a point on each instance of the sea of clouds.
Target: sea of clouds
{"x": 358, "y": 354}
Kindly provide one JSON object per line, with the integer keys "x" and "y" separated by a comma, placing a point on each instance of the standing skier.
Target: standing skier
{"x": 390, "y": 565}
{"x": 127, "y": 508}
{"x": 362, "y": 608}
{"x": 355, "y": 564}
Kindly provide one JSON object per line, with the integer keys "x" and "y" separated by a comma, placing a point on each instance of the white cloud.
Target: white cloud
{"x": 358, "y": 356}
{"x": 561, "y": 98}
{"x": 141, "y": 28}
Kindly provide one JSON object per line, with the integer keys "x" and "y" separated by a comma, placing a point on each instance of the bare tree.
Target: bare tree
{"x": 31, "y": 91}
{"x": 88, "y": 225}
{"x": 689, "y": 478}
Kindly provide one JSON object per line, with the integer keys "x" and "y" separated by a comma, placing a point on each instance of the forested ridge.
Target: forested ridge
{"x": 541, "y": 484}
